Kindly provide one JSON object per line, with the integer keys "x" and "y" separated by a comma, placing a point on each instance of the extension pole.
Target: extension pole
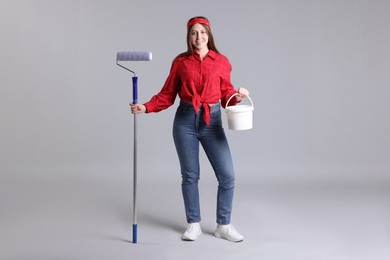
{"x": 135, "y": 101}
{"x": 134, "y": 56}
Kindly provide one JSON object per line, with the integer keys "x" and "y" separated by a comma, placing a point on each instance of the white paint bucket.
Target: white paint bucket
{"x": 240, "y": 117}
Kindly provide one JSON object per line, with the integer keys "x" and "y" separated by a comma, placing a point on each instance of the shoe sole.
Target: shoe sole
{"x": 189, "y": 238}
{"x": 218, "y": 235}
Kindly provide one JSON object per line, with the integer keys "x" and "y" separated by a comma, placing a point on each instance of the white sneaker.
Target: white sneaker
{"x": 193, "y": 232}
{"x": 228, "y": 232}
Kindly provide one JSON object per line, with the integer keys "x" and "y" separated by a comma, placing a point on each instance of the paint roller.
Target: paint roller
{"x": 134, "y": 56}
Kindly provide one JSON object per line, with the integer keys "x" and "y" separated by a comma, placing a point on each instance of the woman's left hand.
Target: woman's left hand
{"x": 242, "y": 93}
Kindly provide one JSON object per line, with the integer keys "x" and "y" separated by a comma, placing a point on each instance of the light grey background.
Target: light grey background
{"x": 318, "y": 73}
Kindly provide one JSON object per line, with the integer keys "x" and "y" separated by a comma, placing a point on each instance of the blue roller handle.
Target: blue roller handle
{"x": 135, "y": 90}
{"x": 135, "y": 233}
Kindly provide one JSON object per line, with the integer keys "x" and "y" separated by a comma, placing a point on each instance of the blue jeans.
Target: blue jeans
{"x": 189, "y": 129}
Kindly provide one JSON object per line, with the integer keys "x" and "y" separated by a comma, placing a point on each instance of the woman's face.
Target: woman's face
{"x": 199, "y": 37}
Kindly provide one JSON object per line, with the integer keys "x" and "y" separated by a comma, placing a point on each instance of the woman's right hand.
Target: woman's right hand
{"x": 137, "y": 108}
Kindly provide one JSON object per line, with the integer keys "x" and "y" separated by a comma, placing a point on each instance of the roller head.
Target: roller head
{"x": 134, "y": 56}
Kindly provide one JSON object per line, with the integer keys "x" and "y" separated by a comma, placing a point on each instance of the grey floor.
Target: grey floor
{"x": 72, "y": 217}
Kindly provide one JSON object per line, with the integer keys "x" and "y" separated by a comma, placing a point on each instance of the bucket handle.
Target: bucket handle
{"x": 235, "y": 94}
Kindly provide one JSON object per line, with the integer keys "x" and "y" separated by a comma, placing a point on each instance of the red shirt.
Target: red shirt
{"x": 200, "y": 82}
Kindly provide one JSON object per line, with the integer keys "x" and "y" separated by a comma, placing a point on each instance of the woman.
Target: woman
{"x": 201, "y": 78}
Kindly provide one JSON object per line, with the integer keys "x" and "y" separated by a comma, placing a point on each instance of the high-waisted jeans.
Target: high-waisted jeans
{"x": 189, "y": 129}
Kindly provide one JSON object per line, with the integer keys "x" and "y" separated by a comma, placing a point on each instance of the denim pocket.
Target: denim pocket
{"x": 215, "y": 111}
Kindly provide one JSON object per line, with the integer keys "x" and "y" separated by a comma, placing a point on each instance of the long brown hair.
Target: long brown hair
{"x": 210, "y": 44}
